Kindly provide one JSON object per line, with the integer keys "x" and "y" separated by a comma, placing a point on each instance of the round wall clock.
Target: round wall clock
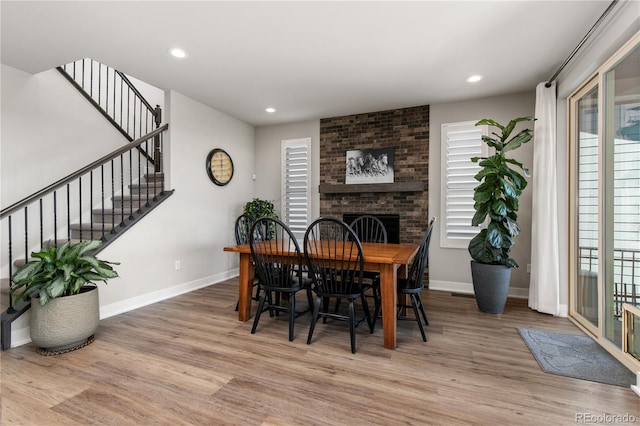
{"x": 219, "y": 167}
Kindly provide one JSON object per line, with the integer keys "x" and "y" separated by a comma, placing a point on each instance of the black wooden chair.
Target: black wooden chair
{"x": 269, "y": 237}
{"x": 242, "y": 230}
{"x": 336, "y": 264}
{"x": 413, "y": 284}
{"x": 370, "y": 229}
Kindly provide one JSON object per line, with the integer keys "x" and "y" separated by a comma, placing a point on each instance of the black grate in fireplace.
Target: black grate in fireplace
{"x": 391, "y": 223}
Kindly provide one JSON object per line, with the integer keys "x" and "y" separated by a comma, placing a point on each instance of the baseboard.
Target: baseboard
{"x": 164, "y": 294}
{"x": 467, "y": 288}
{"x": 20, "y": 329}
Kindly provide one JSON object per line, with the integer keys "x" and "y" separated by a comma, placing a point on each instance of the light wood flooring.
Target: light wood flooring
{"x": 188, "y": 361}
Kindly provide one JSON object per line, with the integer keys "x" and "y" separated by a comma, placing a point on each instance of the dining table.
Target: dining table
{"x": 389, "y": 260}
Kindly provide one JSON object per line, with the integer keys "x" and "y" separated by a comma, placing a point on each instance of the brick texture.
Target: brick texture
{"x": 406, "y": 130}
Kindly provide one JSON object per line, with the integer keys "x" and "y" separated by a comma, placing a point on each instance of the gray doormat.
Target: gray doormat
{"x": 579, "y": 357}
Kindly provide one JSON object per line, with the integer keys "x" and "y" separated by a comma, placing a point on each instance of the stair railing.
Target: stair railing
{"x": 115, "y": 97}
{"x": 96, "y": 202}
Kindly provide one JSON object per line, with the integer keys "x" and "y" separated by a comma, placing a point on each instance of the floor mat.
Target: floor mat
{"x": 574, "y": 356}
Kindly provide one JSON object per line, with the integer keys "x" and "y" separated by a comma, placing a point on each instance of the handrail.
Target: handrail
{"x": 136, "y": 91}
{"x": 54, "y": 186}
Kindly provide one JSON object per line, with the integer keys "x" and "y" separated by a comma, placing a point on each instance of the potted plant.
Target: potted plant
{"x": 65, "y": 309}
{"x": 257, "y": 208}
{"x": 496, "y": 198}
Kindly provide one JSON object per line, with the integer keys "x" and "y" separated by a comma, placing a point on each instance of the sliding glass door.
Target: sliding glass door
{"x": 605, "y": 197}
{"x": 586, "y": 155}
{"x": 622, "y": 191}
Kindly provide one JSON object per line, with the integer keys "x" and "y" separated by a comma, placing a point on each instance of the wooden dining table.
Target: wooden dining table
{"x": 389, "y": 260}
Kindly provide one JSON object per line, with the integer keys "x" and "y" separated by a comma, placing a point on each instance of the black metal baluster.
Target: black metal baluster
{"x": 80, "y": 206}
{"x": 41, "y": 226}
{"x": 131, "y": 184}
{"x": 91, "y": 79}
{"x": 113, "y": 194}
{"x": 10, "y": 241}
{"x": 26, "y": 233}
{"x": 68, "y": 213}
{"x": 55, "y": 218}
{"x": 102, "y": 237}
{"x": 122, "y": 186}
{"x": 90, "y": 204}
{"x": 140, "y": 180}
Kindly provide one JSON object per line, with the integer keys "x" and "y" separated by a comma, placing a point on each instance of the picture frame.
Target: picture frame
{"x": 365, "y": 166}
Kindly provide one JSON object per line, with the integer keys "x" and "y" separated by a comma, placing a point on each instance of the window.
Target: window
{"x": 296, "y": 184}
{"x": 460, "y": 142}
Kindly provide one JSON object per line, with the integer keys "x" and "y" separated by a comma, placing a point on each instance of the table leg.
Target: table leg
{"x": 245, "y": 287}
{"x": 388, "y": 276}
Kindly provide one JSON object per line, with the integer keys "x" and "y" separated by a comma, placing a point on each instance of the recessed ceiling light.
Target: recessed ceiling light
{"x": 270, "y": 109}
{"x": 474, "y": 78}
{"x": 177, "y": 52}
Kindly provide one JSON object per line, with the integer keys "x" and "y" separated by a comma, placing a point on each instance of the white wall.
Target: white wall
{"x": 449, "y": 269}
{"x": 268, "y": 164}
{"x": 195, "y": 223}
{"x": 49, "y": 130}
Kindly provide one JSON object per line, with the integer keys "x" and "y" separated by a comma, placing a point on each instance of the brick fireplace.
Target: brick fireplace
{"x": 405, "y": 130}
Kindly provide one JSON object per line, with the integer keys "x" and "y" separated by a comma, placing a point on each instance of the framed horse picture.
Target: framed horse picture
{"x": 369, "y": 166}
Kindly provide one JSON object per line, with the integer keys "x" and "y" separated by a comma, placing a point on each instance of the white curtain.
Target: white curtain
{"x": 544, "y": 287}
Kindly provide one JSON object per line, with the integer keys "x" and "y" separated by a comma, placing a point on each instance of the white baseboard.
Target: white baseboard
{"x": 164, "y": 294}
{"x": 467, "y": 288}
{"x": 20, "y": 328}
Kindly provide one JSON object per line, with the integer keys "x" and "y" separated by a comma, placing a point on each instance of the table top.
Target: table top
{"x": 381, "y": 253}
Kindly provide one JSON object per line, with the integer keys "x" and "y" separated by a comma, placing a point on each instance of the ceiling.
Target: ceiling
{"x": 308, "y": 60}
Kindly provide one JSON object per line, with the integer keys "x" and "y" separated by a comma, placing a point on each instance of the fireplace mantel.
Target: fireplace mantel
{"x": 340, "y": 188}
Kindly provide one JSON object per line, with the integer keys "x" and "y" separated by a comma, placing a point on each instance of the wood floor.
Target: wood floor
{"x": 188, "y": 361}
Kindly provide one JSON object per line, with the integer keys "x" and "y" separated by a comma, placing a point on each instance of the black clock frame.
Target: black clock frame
{"x": 210, "y": 172}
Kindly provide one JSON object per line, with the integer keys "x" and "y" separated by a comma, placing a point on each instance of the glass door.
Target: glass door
{"x": 584, "y": 110}
{"x": 604, "y": 135}
{"x": 621, "y": 191}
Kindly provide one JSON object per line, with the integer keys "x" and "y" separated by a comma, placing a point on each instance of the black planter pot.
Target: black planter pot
{"x": 491, "y": 286}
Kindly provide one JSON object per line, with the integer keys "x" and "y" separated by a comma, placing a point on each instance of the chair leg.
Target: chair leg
{"x": 325, "y": 308}
{"x": 414, "y": 305}
{"x": 371, "y": 322}
{"x": 314, "y": 319}
{"x": 292, "y": 314}
{"x": 377, "y": 305}
{"x": 422, "y": 311}
{"x": 352, "y": 325}
{"x": 259, "y": 312}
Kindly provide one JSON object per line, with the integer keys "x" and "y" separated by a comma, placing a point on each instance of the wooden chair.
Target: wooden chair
{"x": 336, "y": 265}
{"x": 242, "y": 230}
{"x": 370, "y": 229}
{"x": 413, "y": 284}
{"x": 268, "y": 239}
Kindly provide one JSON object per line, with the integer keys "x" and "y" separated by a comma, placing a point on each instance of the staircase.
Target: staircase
{"x": 100, "y": 201}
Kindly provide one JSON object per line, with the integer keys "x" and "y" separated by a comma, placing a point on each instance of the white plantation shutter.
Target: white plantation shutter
{"x": 296, "y": 185}
{"x": 460, "y": 142}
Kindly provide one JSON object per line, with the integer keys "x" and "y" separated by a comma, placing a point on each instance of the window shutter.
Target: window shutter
{"x": 460, "y": 142}
{"x": 296, "y": 188}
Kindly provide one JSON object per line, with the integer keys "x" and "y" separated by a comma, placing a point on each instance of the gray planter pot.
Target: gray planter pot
{"x": 491, "y": 286}
{"x": 65, "y": 322}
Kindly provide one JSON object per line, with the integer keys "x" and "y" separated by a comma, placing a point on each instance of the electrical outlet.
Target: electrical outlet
{"x": 178, "y": 266}
{"x": 528, "y": 268}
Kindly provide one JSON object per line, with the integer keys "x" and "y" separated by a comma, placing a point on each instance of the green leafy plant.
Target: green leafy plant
{"x": 496, "y": 197}
{"x": 257, "y": 208}
{"x": 61, "y": 271}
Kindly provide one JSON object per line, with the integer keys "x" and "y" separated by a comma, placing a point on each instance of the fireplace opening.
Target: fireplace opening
{"x": 391, "y": 223}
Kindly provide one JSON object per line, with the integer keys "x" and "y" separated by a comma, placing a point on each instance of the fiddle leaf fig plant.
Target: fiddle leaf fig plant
{"x": 496, "y": 197}
{"x": 61, "y": 271}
